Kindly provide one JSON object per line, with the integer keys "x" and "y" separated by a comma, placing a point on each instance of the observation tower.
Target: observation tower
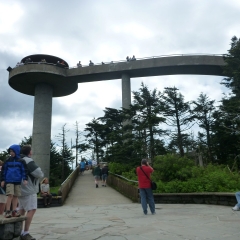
{"x": 46, "y": 76}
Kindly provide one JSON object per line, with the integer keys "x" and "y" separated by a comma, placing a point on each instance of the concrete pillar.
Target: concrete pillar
{"x": 126, "y": 94}
{"x": 42, "y": 120}
{"x": 126, "y": 91}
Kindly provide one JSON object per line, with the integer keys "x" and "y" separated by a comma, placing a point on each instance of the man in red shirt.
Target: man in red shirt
{"x": 144, "y": 175}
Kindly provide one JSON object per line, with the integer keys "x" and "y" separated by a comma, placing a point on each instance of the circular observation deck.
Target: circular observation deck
{"x": 41, "y": 68}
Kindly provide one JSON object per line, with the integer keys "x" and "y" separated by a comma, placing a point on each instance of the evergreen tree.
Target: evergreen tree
{"x": 26, "y": 141}
{"x": 113, "y": 130}
{"x": 202, "y": 111}
{"x": 232, "y": 68}
{"x": 227, "y": 124}
{"x": 65, "y": 152}
{"x": 4, "y": 155}
{"x": 146, "y": 118}
{"x": 95, "y": 137}
{"x": 177, "y": 114}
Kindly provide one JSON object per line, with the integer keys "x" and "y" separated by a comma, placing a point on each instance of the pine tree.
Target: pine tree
{"x": 202, "y": 111}
{"x": 65, "y": 152}
{"x": 146, "y": 118}
{"x": 95, "y": 137}
{"x": 177, "y": 114}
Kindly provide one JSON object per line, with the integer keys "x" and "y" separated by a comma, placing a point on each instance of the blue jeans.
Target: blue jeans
{"x": 147, "y": 197}
{"x": 238, "y": 198}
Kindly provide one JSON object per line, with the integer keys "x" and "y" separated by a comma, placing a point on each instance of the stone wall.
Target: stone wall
{"x": 67, "y": 185}
{"x": 10, "y": 228}
{"x": 216, "y": 198}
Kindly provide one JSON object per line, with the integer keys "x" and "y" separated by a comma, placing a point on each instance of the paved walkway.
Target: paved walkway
{"x": 102, "y": 213}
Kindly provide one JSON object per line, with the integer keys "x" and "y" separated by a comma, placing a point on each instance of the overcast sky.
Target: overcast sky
{"x": 106, "y": 31}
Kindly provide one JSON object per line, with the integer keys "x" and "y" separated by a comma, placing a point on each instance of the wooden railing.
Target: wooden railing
{"x": 123, "y": 187}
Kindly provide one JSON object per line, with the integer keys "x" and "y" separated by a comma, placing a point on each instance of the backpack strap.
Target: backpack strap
{"x": 146, "y": 174}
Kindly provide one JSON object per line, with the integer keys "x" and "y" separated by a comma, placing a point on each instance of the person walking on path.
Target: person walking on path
{"x": 89, "y": 164}
{"x": 82, "y": 165}
{"x": 104, "y": 175}
{"x": 14, "y": 172}
{"x": 28, "y": 199}
{"x": 45, "y": 192}
{"x": 97, "y": 174}
{"x": 237, "y": 206}
{"x": 144, "y": 184}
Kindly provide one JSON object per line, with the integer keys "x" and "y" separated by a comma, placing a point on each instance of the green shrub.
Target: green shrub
{"x": 131, "y": 175}
{"x": 174, "y": 174}
{"x": 170, "y": 167}
{"x": 118, "y": 168}
{"x": 209, "y": 179}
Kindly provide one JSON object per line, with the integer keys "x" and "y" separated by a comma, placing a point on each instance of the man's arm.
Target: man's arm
{"x": 24, "y": 170}
{"x": 34, "y": 170}
{"x": 150, "y": 167}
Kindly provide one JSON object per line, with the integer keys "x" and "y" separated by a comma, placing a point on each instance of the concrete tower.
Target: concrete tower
{"x": 44, "y": 77}
{"x": 44, "y": 80}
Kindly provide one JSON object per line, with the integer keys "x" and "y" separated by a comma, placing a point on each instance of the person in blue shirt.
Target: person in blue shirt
{"x": 82, "y": 165}
{"x": 14, "y": 172}
{"x": 90, "y": 164}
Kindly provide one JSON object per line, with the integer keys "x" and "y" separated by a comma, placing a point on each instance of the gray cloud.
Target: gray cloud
{"x": 105, "y": 31}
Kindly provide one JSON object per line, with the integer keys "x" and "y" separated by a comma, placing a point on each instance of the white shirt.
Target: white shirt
{"x": 44, "y": 187}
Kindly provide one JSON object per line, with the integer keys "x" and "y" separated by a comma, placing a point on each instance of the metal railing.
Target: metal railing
{"x": 120, "y": 61}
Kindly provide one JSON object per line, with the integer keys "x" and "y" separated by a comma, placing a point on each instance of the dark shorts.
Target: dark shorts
{"x": 104, "y": 177}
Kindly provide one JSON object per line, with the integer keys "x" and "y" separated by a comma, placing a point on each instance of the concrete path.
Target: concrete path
{"x": 84, "y": 192}
{"x": 104, "y": 214}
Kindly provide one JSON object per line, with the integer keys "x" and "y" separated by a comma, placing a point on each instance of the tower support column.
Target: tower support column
{"x": 126, "y": 94}
{"x": 126, "y": 91}
{"x": 42, "y": 120}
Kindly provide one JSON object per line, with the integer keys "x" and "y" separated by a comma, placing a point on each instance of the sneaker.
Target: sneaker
{"x": 153, "y": 213}
{"x": 16, "y": 213}
{"x": 27, "y": 237}
{"x": 236, "y": 208}
{"x": 96, "y": 185}
{"x": 145, "y": 212}
{"x": 8, "y": 214}
{"x": 105, "y": 185}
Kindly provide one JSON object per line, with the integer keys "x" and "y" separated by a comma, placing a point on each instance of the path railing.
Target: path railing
{"x": 130, "y": 191}
{"x": 145, "y": 58}
{"x": 119, "y": 61}
{"x": 67, "y": 184}
{"x": 121, "y": 184}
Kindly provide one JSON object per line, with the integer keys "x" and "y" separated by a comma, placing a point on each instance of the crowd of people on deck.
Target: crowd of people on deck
{"x": 130, "y": 59}
{"x": 60, "y": 63}
{"x": 63, "y": 64}
{"x": 92, "y": 64}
